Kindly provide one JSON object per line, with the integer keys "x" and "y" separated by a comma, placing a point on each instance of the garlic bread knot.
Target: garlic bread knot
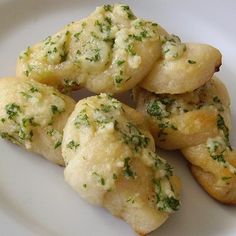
{"x": 33, "y": 116}
{"x": 109, "y": 51}
{"x": 111, "y": 162}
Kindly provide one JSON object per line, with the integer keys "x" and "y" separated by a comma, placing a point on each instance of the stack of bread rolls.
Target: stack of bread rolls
{"x": 108, "y": 149}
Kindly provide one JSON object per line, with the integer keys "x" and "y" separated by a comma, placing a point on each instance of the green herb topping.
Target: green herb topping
{"x": 12, "y": 110}
{"x": 134, "y": 137}
{"x": 222, "y": 126}
{"x": 192, "y": 62}
{"x": 128, "y": 172}
{"x": 81, "y": 119}
{"x": 55, "y": 109}
{"x": 108, "y": 8}
{"x": 57, "y": 144}
{"x": 120, "y": 62}
{"x": 96, "y": 56}
{"x": 164, "y": 202}
{"x": 216, "y": 150}
{"x": 101, "y": 179}
{"x": 157, "y": 109}
{"x": 128, "y": 11}
{"x": 72, "y": 145}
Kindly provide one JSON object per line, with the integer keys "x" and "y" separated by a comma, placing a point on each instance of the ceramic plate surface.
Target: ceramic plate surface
{"x": 34, "y": 199}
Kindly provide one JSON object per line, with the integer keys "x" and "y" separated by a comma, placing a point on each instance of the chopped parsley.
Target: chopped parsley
{"x": 167, "y": 101}
{"x": 108, "y": 8}
{"x": 30, "y": 68}
{"x": 12, "y": 110}
{"x": 161, "y": 135}
{"x": 55, "y": 109}
{"x": 143, "y": 35}
{"x": 157, "y": 109}
{"x": 192, "y": 62}
{"x": 69, "y": 85}
{"x": 128, "y": 172}
{"x": 84, "y": 24}
{"x": 131, "y": 200}
{"x": 170, "y": 202}
{"x": 160, "y": 164}
{"x": 25, "y": 53}
{"x": 102, "y": 121}
{"x": 216, "y": 99}
{"x": 173, "y": 127}
{"x": 77, "y": 35}
{"x": 64, "y": 53}
{"x": 226, "y": 178}
{"x": 216, "y": 150}
{"x": 114, "y": 176}
{"x": 222, "y": 126}
{"x": 108, "y": 20}
{"x": 94, "y": 35}
{"x": 165, "y": 203}
{"x": 101, "y": 179}
{"x": 57, "y": 144}
{"x": 27, "y": 72}
{"x": 134, "y": 137}
{"x": 128, "y": 11}
{"x": 118, "y": 79}
{"x": 106, "y": 108}
{"x": 104, "y": 27}
{"x": 130, "y": 50}
{"x": 33, "y": 89}
{"x": 218, "y": 103}
{"x": 163, "y": 130}
{"x": 96, "y": 56}
{"x": 28, "y": 93}
{"x": 120, "y": 62}
{"x": 9, "y": 137}
{"x": 28, "y": 122}
{"x": 72, "y": 145}
{"x": 81, "y": 119}
{"x": 167, "y": 50}
{"x": 51, "y": 132}
{"x": 25, "y": 136}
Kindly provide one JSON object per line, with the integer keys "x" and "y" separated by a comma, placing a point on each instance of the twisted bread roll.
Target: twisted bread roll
{"x": 198, "y": 123}
{"x": 109, "y": 51}
{"x": 111, "y": 162}
{"x": 33, "y": 116}
{"x": 213, "y": 163}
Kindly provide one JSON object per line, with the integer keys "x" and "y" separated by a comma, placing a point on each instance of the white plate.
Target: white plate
{"x": 34, "y": 199}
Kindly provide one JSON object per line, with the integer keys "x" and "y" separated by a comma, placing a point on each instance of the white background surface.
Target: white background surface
{"x": 34, "y": 199}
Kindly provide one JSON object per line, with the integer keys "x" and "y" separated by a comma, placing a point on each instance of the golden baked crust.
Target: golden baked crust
{"x": 186, "y": 73}
{"x": 178, "y": 121}
{"x": 226, "y": 192}
{"x": 213, "y": 163}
